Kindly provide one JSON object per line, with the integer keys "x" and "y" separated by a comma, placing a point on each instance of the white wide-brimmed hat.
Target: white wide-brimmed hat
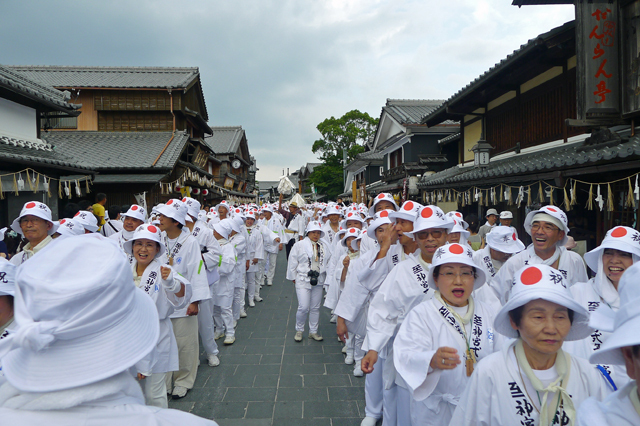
{"x": 533, "y": 282}
{"x": 37, "y": 209}
{"x": 145, "y": 232}
{"x": 251, "y": 214}
{"x": 431, "y": 217}
{"x": 352, "y": 215}
{"x": 506, "y": 214}
{"x": 490, "y": 212}
{"x": 504, "y": 240}
{"x": 7, "y": 278}
{"x": 174, "y": 209}
{"x": 70, "y": 227}
{"x": 407, "y": 211}
{"x": 459, "y": 217}
{"x": 88, "y": 220}
{"x": 2, "y": 231}
{"x": 620, "y": 238}
{"x": 193, "y": 206}
{"x": 224, "y": 228}
{"x": 354, "y": 243}
{"x": 236, "y": 222}
{"x": 559, "y": 218}
{"x": 383, "y": 196}
{"x": 626, "y": 321}
{"x": 455, "y": 253}
{"x": 225, "y": 204}
{"x": 137, "y": 212}
{"x": 379, "y": 219}
{"x": 351, "y": 232}
{"x": 314, "y": 226}
{"x": 458, "y": 227}
{"x": 78, "y": 317}
{"x": 333, "y": 209}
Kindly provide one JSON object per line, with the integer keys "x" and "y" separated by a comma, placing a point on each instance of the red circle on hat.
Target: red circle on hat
{"x": 381, "y": 196}
{"x": 384, "y": 213}
{"x": 458, "y": 214}
{"x": 77, "y": 214}
{"x": 551, "y": 209}
{"x": 134, "y": 208}
{"x": 456, "y": 249}
{"x": 170, "y": 202}
{"x": 184, "y": 200}
{"x": 427, "y": 212}
{"x": 408, "y": 205}
{"x": 352, "y": 230}
{"x": 30, "y": 205}
{"x": 62, "y": 221}
{"x": 152, "y": 228}
{"x": 531, "y": 276}
{"x": 619, "y": 232}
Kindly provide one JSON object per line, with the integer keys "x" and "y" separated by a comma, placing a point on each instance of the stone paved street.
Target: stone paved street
{"x": 267, "y": 378}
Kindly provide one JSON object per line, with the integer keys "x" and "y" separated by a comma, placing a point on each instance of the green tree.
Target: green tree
{"x": 348, "y": 133}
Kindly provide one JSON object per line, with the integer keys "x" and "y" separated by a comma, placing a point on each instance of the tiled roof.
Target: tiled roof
{"x": 371, "y": 155}
{"x": 562, "y": 158}
{"x": 20, "y": 150}
{"x": 506, "y": 62}
{"x": 42, "y": 93}
{"x": 120, "y": 150}
{"x": 225, "y": 140}
{"x": 112, "y": 77}
{"x": 410, "y": 111}
{"x": 129, "y": 178}
{"x": 451, "y": 138}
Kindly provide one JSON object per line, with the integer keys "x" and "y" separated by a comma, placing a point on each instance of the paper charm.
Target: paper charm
{"x": 78, "y": 190}
{"x": 45, "y": 183}
{"x": 20, "y": 183}
{"x": 477, "y": 195}
{"x": 67, "y": 191}
{"x": 507, "y": 194}
{"x": 636, "y": 191}
{"x": 599, "y": 199}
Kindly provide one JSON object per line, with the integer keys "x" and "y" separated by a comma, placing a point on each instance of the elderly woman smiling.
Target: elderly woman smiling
{"x": 532, "y": 380}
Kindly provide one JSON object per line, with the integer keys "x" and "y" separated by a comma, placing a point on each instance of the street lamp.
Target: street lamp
{"x": 481, "y": 153}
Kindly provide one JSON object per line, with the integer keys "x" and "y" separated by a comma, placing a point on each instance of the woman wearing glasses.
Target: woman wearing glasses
{"x": 442, "y": 339}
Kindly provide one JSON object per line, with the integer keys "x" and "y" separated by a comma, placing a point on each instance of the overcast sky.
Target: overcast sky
{"x": 280, "y": 67}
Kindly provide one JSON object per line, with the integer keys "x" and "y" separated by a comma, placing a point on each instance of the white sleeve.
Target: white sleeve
{"x": 292, "y": 264}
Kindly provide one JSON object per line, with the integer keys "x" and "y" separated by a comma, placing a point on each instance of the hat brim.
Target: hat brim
{"x": 402, "y": 215}
{"x": 68, "y": 364}
{"x": 509, "y": 249}
{"x": 127, "y": 246}
{"x": 591, "y": 258}
{"x": 169, "y": 212}
{"x": 528, "y": 223}
{"x": 478, "y": 282}
{"x": 610, "y": 353}
{"x": 579, "y": 327}
{"x": 15, "y": 225}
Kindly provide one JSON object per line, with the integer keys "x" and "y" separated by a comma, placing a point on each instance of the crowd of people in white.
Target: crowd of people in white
{"x": 447, "y": 330}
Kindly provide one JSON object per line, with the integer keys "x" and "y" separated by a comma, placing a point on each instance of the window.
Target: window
{"x": 395, "y": 159}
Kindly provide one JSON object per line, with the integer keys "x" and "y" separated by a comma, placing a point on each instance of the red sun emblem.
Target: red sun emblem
{"x": 134, "y": 208}
{"x": 381, "y": 196}
{"x": 551, "y": 209}
{"x": 170, "y": 202}
{"x": 458, "y": 214}
{"x": 408, "y": 205}
{"x": 352, "y": 230}
{"x": 77, "y": 214}
{"x": 531, "y": 276}
{"x": 514, "y": 236}
{"x": 30, "y": 205}
{"x": 62, "y": 221}
{"x": 427, "y": 212}
{"x": 152, "y": 228}
{"x": 456, "y": 249}
{"x": 384, "y": 213}
{"x": 184, "y": 200}
{"x": 619, "y": 232}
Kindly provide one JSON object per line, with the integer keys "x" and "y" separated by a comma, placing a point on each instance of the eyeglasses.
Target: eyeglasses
{"x": 546, "y": 228}
{"x": 464, "y": 275}
{"x": 435, "y": 233}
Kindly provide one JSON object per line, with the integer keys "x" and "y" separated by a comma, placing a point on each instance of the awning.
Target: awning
{"x": 128, "y": 178}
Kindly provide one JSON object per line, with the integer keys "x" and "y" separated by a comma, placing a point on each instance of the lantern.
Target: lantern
{"x": 195, "y": 191}
{"x": 481, "y": 153}
{"x": 205, "y": 192}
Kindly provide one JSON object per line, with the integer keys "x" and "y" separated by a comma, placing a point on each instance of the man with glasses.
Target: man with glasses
{"x": 404, "y": 288}
{"x": 36, "y": 226}
{"x": 548, "y": 228}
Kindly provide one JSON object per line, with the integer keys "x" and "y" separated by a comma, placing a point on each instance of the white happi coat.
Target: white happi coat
{"x": 122, "y": 237}
{"x": 334, "y": 274}
{"x": 369, "y": 244}
{"x": 255, "y": 247}
{"x": 486, "y": 293}
{"x": 496, "y": 395}
{"x": 187, "y": 261}
{"x": 597, "y": 291}
{"x": 297, "y": 225}
{"x": 273, "y": 226}
{"x": 615, "y": 410}
{"x": 27, "y": 252}
{"x": 223, "y": 289}
{"x": 117, "y": 400}
{"x": 427, "y": 328}
{"x": 329, "y": 234}
{"x": 300, "y": 263}
{"x": 239, "y": 243}
{"x": 165, "y": 355}
{"x": 570, "y": 265}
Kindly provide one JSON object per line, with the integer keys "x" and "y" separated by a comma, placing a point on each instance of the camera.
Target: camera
{"x": 313, "y": 275}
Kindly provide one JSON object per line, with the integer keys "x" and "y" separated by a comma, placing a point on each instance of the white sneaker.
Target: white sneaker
{"x": 179, "y": 392}
{"x": 298, "y": 336}
{"x": 213, "y": 360}
{"x": 252, "y": 304}
{"x": 229, "y": 340}
{"x": 235, "y": 323}
{"x": 344, "y": 349}
{"x": 357, "y": 370}
{"x": 258, "y": 299}
{"x": 369, "y": 421}
{"x": 243, "y": 314}
{"x": 349, "y": 358}
{"x": 334, "y": 319}
{"x": 218, "y": 335}
{"x": 316, "y": 337}
{"x": 269, "y": 283}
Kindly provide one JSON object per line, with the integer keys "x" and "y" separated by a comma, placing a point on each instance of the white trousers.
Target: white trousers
{"x": 186, "y": 332}
{"x": 238, "y": 302}
{"x": 403, "y": 405}
{"x": 373, "y": 393}
{"x": 205, "y": 326}
{"x": 155, "y": 390}
{"x": 223, "y": 319}
{"x": 271, "y": 267}
{"x": 260, "y": 271}
{"x": 308, "y": 305}
{"x": 251, "y": 285}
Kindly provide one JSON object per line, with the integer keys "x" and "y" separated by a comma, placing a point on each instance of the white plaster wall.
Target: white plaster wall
{"x": 18, "y": 120}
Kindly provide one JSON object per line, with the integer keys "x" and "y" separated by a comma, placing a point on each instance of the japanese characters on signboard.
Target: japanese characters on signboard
{"x": 630, "y": 57}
